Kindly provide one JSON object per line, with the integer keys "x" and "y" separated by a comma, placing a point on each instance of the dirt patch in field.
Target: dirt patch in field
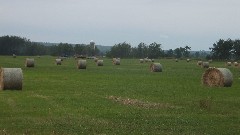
{"x": 141, "y": 104}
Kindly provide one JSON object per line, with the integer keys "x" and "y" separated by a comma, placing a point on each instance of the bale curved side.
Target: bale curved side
{"x": 156, "y": 67}
{"x": 199, "y": 63}
{"x": 221, "y": 77}
{"x": 82, "y": 64}
{"x": 29, "y": 62}
{"x": 58, "y": 62}
{"x": 11, "y": 78}
{"x": 117, "y": 62}
{"x": 205, "y": 64}
{"x": 141, "y": 60}
{"x": 100, "y": 63}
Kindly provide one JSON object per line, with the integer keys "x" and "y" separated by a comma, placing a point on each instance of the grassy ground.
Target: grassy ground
{"x": 124, "y": 99}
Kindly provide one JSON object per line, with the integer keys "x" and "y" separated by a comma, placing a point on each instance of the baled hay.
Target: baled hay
{"x": 229, "y": 63}
{"x": 221, "y": 77}
{"x": 188, "y": 60}
{"x": 95, "y": 59}
{"x": 176, "y": 60}
{"x": 156, "y": 67}
{"x": 141, "y": 60}
{"x": 117, "y": 62}
{"x": 58, "y": 62}
{"x": 100, "y": 63}
{"x": 14, "y": 55}
{"x": 205, "y": 64}
{"x": 11, "y": 78}
{"x": 236, "y": 64}
{"x": 113, "y": 60}
{"x": 152, "y": 60}
{"x": 82, "y": 64}
{"x": 145, "y": 59}
{"x": 149, "y": 60}
{"x": 29, "y": 62}
{"x": 199, "y": 63}
{"x": 210, "y": 61}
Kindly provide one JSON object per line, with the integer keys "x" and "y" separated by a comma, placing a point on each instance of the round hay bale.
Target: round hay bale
{"x": 14, "y": 55}
{"x": 82, "y": 64}
{"x": 188, "y": 60}
{"x": 152, "y": 60}
{"x": 58, "y": 62}
{"x": 141, "y": 60}
{"x": 95, "y": 59}
{"x": 149, "y": 60}
{"x": 210, "y": 61}
{"x": 221, "y": 77}
{"x": 100, "y": 63}
{"x": 205, "y": 64}
{"x": 236, "y": 64}
{"x": 117, "y": 62}
{"x": 199, "y": 63}
{"x": 29, "y": 62}
{"x": 156, "y": 67}
{"x": 113, "y": 60}
{"x": 229, "y": 63}
{"x": 176, "y": 60}
{"x": 11, "y": 79}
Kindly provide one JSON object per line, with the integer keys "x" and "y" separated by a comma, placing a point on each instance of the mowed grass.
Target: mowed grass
{"x": 124, "y": 99}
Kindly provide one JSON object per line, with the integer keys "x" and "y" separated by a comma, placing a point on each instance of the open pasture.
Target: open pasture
{"x": 118, "y": 99}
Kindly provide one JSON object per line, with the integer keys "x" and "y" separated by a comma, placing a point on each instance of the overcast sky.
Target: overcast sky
{"x": 172, "y": 23}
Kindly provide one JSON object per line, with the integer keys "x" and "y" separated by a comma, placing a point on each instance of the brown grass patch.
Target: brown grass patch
{"x": 141, "y": 104}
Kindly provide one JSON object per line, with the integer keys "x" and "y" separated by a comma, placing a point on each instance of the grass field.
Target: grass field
{"x": 125, "y": 99}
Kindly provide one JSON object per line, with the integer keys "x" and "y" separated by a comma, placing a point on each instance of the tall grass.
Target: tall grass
{"x": 66, "y": 100}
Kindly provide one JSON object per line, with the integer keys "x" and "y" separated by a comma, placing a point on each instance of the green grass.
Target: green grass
{"x": 65, "y": 100}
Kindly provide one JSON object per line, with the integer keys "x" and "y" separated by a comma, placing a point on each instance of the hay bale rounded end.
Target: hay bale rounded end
{"x": 218, "y": 77}
{"x": 156, "y": 67}
{"x": 100, "y": 63}
{"x": 11, "y": 78}
{"x": 205, "y": 64}
{"x": 29, "y": 62}
{"x": 82, "y": 64}
{"x": 58, "y": 62}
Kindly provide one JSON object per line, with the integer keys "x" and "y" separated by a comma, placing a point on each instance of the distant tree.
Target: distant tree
{"x": 169, "y": 53}
{"x": 154, "y": 50}
{"x": 178, "y": 52}
{"x": 186, "y": 50}
{"x": 222, "y": 49}
{"x": 142, "y": 50}
{"x": 236, "y": 49}
{"x": 122, "y": 50}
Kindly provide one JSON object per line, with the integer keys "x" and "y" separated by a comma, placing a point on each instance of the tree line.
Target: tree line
{"x": 21, "y": 46}
{"x": 221, "y": 50}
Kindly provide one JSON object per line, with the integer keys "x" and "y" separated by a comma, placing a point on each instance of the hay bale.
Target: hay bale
{"x": 156, "y": 67}
{"x": 113, "y": 60}
{"x": 236, "y": 64}
{"x": 205, "y": 64}
{"x": 58, "y": 62}
{"x": 152, "y": 60}
{"x": 29, "y": 62}
{"x": 176, "y": 60}
{"x": 221, "y": 77}
{"x": 82, "y": 64}
{"x": 188, "y": 60}
{"x": 210, "y": 61}
{"x": 229, "y": 63}
{"x": 149, "y": 60}
{"x": 199, "y": 63}
{"x": 14, "y": 55}
{"x": 11, "y": 78}
{"x": 100, "y": 63}
{"x": 95, "y": 59}
{"x": 117, "y": 62}
{"x": 141, "y": 60}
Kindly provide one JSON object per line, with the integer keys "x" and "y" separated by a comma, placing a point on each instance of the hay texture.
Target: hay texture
{"x": 141, "y": 60}
{"x": 58, "y": 62}
{"x": 29, "y": 62}
{"x": 11, "y": 79}
{"x": 100, "y": 63}
{"x": 156, "y": 67}
{"x": 236, "y": 64}
{"x": 116, "y": 61}
{"x": 199, "y": 63}
{"x": 220, "y": 77}
{"x": 229, "y": 63}
{"x": 95, "y": 59}
{"x": 82, "y": 64}
{"x": 205, "y": 64}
